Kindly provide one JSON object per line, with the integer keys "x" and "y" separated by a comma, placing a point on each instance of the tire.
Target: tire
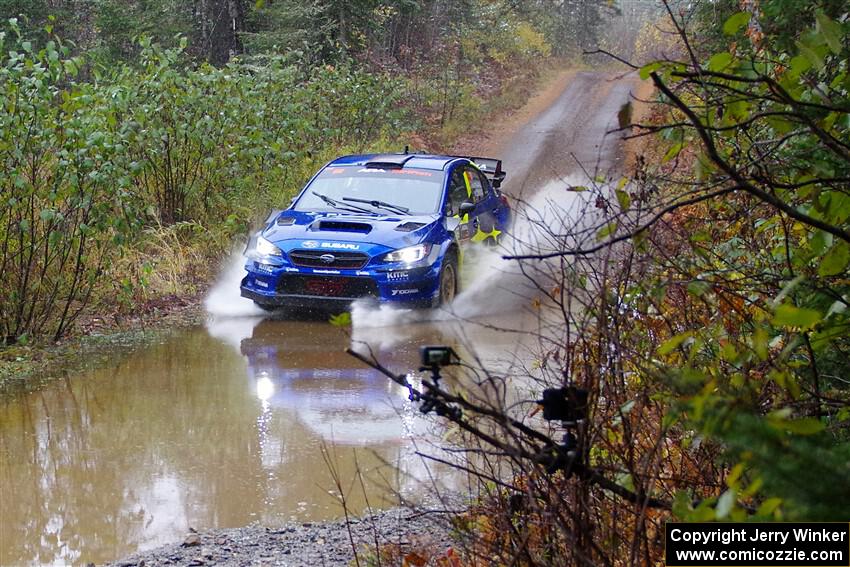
{"x": 448, "y": 280}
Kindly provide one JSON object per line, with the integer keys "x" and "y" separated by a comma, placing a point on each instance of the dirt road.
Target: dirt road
{"x": 571, "y": 135}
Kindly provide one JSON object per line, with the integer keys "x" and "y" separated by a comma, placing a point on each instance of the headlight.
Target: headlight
{"x": 409, "y": 255}
{"x": 266, "y": 248}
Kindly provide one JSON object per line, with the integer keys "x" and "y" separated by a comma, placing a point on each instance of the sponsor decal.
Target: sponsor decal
{"x": 261, "y": 283}
{"x": 292, "y": 269}
{"x": 394, "y": 171}
{"x": 326, "y": 271}
{"x": 398, "y": 275}
{"x": 404, "y": 291}
{"x": 335, "y": 245}
{"x": 265, "y": 267}
{"x": 362, "y": 273}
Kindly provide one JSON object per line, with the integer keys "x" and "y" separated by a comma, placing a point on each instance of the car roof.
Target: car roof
{"x": 421, "y": 161}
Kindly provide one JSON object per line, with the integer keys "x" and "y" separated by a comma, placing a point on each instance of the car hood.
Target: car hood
{"x": 292, "y": 229}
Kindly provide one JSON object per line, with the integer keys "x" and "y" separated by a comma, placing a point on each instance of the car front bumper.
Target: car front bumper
{"x": 281, "y": 285}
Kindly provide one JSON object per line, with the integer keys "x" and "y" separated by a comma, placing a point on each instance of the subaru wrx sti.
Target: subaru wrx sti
{"x": 391, "y": 228}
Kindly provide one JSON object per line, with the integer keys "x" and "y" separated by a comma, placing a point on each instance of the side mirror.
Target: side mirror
{"x": 498, "y": 178}
{"x": 465, "y": 208}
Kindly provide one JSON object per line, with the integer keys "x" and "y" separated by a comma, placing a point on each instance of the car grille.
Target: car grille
{"x": 342, "y": 287}
{"x": 342, "y": 260}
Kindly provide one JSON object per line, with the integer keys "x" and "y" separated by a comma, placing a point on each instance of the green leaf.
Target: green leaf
{"x": 838, "y": 209}
{"x": 835, "y": 261}
{"x": 674, "y": 150}
{"x": 797, "y": 66}
{"x": 672, "y": 343}
{"x": 649, "y": 68}
{"x": 811, "y": 54}
{"x": 623, "y": 199}
{"x": 606, "y": 231}
{"x": 735, "y": 22}
{"x": 819, "y": 242}
{"x": 768, "y": 506}
{"x": 71, "y": 67}
{"x": 341, "y": 320}
{"x": 787, "y": 315}
{"x": 831, "y": 32}
{"x": 698, "y": 287}
{"x": 804, "y": 426}
{"x": 719, "y": 61}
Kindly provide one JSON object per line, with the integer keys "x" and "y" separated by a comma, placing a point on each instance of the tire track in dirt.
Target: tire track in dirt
{"x": 571, "y": 135}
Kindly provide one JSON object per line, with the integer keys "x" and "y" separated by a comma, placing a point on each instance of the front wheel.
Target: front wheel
{"x": 448, "y": 280}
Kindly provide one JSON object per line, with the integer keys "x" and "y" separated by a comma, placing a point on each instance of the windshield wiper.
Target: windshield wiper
{"x": 341, "y": 206}
{"x": 380, "y": 205}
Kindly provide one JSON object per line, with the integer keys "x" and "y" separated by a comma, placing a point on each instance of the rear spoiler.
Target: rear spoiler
{"x": 490, "y": 167}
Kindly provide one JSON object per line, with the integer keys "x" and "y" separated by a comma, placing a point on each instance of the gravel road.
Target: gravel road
{"x": 308, "y": 544}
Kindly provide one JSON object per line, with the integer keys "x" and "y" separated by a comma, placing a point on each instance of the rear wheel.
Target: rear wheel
{"x": 448, "y": 280}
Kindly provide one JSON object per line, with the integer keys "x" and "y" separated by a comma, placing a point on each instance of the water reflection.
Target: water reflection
{"x": 191, "y": 432}
{"x": 330, "y": 393}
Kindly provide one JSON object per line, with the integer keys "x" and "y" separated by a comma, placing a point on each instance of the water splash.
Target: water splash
{"x": 493, "y": 284}
{"x": 223, "y": 299}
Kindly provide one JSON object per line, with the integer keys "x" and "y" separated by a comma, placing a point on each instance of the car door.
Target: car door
{"x": 485, "y": 224}
{"x": 459, "y": 192}
{"x": 467, "y": 183}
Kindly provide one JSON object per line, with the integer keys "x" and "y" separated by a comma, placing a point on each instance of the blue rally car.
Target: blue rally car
{"x": 387, "y": 227}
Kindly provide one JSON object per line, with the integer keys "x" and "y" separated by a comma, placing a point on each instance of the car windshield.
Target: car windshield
{"x": 358, "y": 188}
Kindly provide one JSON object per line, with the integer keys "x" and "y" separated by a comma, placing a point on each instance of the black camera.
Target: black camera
{"x": 437, "y": 356}
{"x": 568, "y": 404}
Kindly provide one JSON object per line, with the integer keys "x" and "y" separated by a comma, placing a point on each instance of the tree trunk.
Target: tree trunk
{"x": 219, "y": 25}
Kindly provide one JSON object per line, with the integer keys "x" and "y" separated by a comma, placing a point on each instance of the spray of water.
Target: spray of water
{"x": 493, "y": 284}
{"x": 223, "y": 299}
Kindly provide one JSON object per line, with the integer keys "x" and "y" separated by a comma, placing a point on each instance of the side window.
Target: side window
{"x": 485, "y": 183}
{"x": 474, "y": 181}
{"x": 457, "y": 190}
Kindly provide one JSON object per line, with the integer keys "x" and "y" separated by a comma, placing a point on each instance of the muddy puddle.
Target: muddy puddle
{"x": 217, "y": 426}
